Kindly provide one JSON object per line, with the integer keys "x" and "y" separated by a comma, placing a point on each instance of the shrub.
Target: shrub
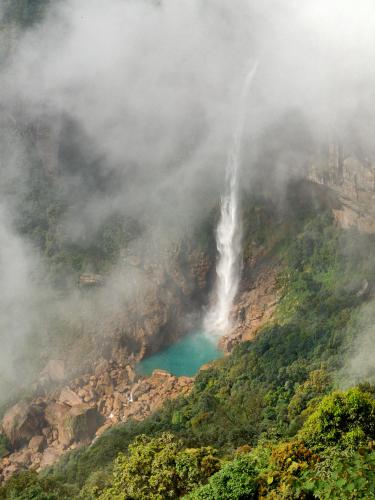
{"x": 349, "y": 476}
{"x": 237, "y": 480}
{"x": 158, "y": 468}
{"x": 28, "y": 485}
{"x": 347, "y": 418}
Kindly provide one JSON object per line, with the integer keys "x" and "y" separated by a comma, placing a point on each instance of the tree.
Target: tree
{"x": 346, "y": 418}
{"x": 159, "y": 468}
{"x": 237, "y": 480}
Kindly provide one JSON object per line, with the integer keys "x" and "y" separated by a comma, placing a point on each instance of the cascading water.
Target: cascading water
{"x": 228, "y": 233}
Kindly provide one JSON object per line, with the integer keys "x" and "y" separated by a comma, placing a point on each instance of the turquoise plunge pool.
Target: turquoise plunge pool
{"x": 185, "y": 357}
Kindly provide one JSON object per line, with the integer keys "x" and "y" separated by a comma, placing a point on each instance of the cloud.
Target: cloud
{"x": 131, "y": 106}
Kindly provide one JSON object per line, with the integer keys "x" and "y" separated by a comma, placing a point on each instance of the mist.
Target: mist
{"x": 131, "y": 105}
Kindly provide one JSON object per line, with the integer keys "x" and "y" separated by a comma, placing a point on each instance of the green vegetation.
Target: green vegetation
{"x": 269, "y": 420}
{"x": 266, "y": 421}
{"x": 28, "y": 485}
{"x": 237, "y": 479}
{"x": 343, "y": 419}
{"x": 159, "y": 468}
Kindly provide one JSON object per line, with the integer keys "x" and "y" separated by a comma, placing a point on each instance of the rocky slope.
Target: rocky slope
{"x": 42, "y": 429}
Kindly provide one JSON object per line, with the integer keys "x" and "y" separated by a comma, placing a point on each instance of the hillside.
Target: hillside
{"x": 262, "y": 403}
{"x": 187, "y": 228}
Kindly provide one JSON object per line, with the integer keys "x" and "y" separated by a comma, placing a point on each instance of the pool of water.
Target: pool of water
{"x": 185, "y": 357}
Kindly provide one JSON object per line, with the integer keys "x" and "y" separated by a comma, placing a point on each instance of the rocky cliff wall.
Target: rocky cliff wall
{"x": 349, "y": 174}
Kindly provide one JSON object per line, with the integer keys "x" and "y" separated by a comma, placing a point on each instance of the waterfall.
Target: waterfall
{"x": 228, "y": 233}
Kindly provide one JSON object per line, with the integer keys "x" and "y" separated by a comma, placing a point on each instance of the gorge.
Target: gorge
{"x": 187, "y": 252}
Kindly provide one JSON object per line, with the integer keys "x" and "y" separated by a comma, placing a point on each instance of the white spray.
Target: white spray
{"x": 228, "y": 233}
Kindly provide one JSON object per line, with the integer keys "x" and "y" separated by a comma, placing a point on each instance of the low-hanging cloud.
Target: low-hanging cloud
{"x": 131, "y": 104}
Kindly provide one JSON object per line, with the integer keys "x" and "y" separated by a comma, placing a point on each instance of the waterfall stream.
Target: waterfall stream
{"x": 228, "y": 233}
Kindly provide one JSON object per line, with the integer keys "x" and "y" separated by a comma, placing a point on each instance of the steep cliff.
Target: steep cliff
{"x": 350, "y": 175}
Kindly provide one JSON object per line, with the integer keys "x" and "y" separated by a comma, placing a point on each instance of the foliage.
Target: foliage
{"x": 350, "y": 475}
{"x": 235, "y": 481}
{"x": 158, "y": 468}
{"x": 29, "y": 485}
{"x": 343, "y": 418}
{"x": 287, "y": 464}
{"x": 96, "y": 484}
{"x": 266, "y": 388}
{"x": 265, "y": 391}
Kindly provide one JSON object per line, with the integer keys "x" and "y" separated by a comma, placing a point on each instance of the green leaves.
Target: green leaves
{"x": 158, "y": 468}
{"x": 343, "y": 418}
{"x": 237, "y": 480}
{"x": 349, "y": 475}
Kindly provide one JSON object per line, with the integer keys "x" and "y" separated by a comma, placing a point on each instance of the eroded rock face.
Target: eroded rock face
{"x": 22, "y": 422}
{"x": 255, "y": 305}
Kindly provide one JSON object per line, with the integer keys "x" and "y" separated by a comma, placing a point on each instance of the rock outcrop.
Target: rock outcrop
{"x": 256, "y": 301}
{"x": 40, "y": 431}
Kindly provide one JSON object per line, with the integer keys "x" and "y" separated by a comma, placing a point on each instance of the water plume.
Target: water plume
{"x": 228, "y": 233}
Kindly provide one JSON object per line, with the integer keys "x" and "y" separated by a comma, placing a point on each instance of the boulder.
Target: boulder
{"x": 79, "y": 424}
{"x": 55, "y": 413}
{"x": 22, "y": 458}
{"x": 37, "y": 443}
{"x": 22, "y": 422}
{"x": 69, "y": 397}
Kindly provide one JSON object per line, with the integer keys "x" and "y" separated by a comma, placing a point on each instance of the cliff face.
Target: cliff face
{"x": 350, "y": 175}
{"x": 256, "y": 302}
{"x": 163, "y": 303}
